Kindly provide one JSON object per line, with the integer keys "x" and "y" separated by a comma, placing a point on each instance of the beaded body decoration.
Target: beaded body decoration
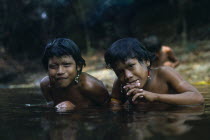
{"x": 76, "y": 79}
{"x": 148, "y": 74}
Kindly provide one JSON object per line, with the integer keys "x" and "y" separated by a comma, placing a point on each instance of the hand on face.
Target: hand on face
{"x": 132, "y": 85}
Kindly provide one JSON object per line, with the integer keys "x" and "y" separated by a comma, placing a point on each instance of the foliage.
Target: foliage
{"x": 27, "y": 25}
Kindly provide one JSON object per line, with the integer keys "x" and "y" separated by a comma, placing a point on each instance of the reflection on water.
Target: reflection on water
{"x": 168, "y": 122}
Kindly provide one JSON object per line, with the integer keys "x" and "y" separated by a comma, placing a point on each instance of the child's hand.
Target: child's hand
{"x": 65, "y": 106}
{"x": 142, "y": 94}
{"x": 130, "y": 86}
{"x": 135, "y": 91}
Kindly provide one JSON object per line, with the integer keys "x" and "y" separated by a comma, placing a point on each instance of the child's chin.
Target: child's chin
{"x": 62, "y": 85}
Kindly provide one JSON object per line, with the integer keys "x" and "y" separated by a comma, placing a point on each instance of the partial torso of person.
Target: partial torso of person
{"x": 156, "y": 84}
{"x": 74, "y": 93}
{"x": 162, "y": 56}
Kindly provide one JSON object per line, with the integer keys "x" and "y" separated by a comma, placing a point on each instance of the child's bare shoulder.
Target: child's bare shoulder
{"x": 169, "y": 74}
{"x": 165, "y": 71}
{"x": 45, "y": 82}
{"x": 89, "y": 82}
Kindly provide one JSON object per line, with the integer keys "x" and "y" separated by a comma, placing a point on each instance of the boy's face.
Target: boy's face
{"x": 62, "y": 71}
{"x": 131, "y": 70}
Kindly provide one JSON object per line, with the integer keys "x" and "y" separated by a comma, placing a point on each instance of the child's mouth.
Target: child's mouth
{"x": 61, "y": 79}
{"x": 132, "y": 82}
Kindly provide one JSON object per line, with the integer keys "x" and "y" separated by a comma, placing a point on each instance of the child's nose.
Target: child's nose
{"x": 128, "y": 75}
{"x": 60, "y": 70}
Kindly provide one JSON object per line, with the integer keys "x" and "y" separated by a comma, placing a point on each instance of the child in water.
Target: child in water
{"x": 164, "y": 54}
{"x": 66, "y": 86}
{"x": 137, "y": 81}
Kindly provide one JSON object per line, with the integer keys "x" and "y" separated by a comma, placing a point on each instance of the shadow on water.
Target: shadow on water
{"x": 163, "y": 122}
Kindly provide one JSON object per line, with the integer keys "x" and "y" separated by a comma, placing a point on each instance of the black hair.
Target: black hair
{"x": 61, "y": 47}
{"x": 124, "y": 49}
{"x": 152, "y": 43}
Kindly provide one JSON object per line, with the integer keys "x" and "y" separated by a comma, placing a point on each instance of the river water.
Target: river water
{"x": 36, "y": 123}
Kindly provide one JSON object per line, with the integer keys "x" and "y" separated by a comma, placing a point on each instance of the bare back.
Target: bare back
{"x": 166, "y": 57}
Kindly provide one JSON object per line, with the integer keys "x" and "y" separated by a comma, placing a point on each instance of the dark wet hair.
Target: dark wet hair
{"x": 152, "y": 43}
{"x": 61, "y": 47}
{"x": 124, "y": 49}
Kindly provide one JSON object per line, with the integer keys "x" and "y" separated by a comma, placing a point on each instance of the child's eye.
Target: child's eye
{"x": 53, "y": 66}
{"x": 66, "y": 64}
{"x": 131, "y": 65}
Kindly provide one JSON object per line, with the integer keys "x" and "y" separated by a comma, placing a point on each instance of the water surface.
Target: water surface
{"x": 163, "y": 123}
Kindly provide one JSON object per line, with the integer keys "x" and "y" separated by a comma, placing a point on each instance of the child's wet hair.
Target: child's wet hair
{"x": 125, "y": 49}
{"x": 62, "y": 47}
{"x": 152, "y": 43}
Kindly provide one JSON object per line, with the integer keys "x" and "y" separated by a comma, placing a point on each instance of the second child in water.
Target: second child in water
{"x": 137, "y": 81}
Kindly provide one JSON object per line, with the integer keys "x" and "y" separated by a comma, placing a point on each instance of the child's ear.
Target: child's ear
{"x": 148, "y": 63}
{"x": 79, "y": 68}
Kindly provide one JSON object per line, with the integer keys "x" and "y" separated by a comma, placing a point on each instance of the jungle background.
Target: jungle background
{"x": 27, "y": 25}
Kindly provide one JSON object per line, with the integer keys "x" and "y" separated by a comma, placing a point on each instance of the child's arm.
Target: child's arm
{"x": 118, "y": 96}
{"x": 44, "y": 85}
{"x": 186, "y": 93}
{"x": 45, "y": 91}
